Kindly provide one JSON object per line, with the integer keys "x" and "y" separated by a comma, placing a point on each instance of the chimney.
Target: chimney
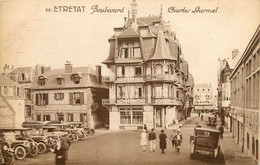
{"x": 234, "y": 53}
{"x": 68, "y": 67}
{"x": 134, "y": 10}
{"x": 98, "y": 74}
{"x": 7, "y": 69}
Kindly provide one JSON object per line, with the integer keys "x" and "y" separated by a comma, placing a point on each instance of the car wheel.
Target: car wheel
{"x": 93, "y": 131}
{"x": 42, "y": 147}
{"x": 9, "y": 159}
{"x": 5, "y": 143}
{"x": 34, "y": 151}
{"x": 88, "y": 132}
{"x": 75, "y": 137}
{"x": 20, "y": 152}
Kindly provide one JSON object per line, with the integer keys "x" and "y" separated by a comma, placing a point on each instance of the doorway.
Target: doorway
{"x": 158, "y": 117}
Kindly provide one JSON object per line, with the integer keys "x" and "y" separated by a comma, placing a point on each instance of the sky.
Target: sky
{"x": 29, "y": 35}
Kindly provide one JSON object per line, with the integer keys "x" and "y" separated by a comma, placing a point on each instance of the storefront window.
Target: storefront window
{"x": 137, "y": 117}
{"x": 131, "y": 116}
{"x": 125, "y": 116}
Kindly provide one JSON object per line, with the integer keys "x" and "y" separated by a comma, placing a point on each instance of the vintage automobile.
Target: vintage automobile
{"x": 21, "y": 146}
{"x": 212, "y": 121}
{"x": 77, "y": 125}
{"x": 6, "y": 152}
{"x": 205, "y": 142}
{"x": 38, "y": 135}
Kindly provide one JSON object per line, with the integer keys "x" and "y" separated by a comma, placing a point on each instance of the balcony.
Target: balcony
{"x": 108, "y": 101}
{"x": 108, "y": 79}
{"x": 161, "y": 77}
{"x": 165, "y": 101}
{"x": 136, "y": 78}
{"x": 134, "y": 101}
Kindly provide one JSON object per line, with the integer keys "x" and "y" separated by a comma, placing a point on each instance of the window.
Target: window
{"x": 138, "y": 71}
{"x": 125, "y": 116}
{"x": 120, "y": 71}
{"x": 247, "y": 140}
{"x": 28, "y": 111}
{"x": 202, "y": 89}
{"x": 198, "y": 90}
{"x": 75, "y": 78}
{"x": 158, "y": 92}
{"x": 120, "y": 92}
{"x": 46, "y": 117}
{"x": 131, "y": 116}
{"x": 138, "y": 92}
{"x": 177, "y": 94}
{"x": 83, "y": 117}
{"x": 18, "y": 91}
{"x": 38, "y": 117}
{"x": 23, "y": 76}
{"x": 59, "y": 81}
{"x": 158, "y": 69}
{"x": 70, "y": 116}
{"x": 130, "y": 50}
{"x": 208, "y": 89}
{"x": 137, "y": 116}
{"x": 27, "y": 93}
{"x": 41, "y": 81}
{"x": 77, "y": 98}
{"x": 5, "y": 90}
{"x": 42, "y": 99}
{"x": 59, "y": 96}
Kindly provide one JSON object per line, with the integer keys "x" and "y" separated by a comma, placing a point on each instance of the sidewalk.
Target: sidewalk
{"x": 232, "y": 152}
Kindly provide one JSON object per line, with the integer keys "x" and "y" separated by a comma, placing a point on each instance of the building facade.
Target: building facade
{"x": 245, "y": 98}
{"x": 224, "y": 90}
{"x": 12, "y": 102}
{"x": 70, "y": 94}
{"x": 147, "y": 74}
{"x": 203, "y": 98}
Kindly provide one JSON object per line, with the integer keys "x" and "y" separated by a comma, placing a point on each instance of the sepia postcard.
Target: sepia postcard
{"x": 129, "y": 82}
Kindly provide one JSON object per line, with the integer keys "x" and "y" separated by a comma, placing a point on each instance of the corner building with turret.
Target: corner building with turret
{"x": 147, "y": 75}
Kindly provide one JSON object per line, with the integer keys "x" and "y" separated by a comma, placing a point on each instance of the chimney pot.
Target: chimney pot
{"x": 68, "y": 67}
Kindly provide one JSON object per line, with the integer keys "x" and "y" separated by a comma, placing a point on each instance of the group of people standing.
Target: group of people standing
{"x": 175, "y": 137}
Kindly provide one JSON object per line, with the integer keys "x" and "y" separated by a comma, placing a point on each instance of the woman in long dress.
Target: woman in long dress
{"x": 144, "y": 140}
{"x": 162, "y": 138}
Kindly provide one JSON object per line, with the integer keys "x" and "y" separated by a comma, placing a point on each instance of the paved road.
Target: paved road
{"x": 123, "y": 147}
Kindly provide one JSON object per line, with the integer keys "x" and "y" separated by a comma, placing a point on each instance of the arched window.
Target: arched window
{"x": 253, "y": 145}
{"x": 158, "y": 69}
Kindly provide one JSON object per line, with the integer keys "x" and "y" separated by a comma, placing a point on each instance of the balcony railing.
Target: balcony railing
{"x": 108, "y": 79}
{"x": 131, "y": 101}
{"x": 161, "y": 77}
{"x": 138, "y": 77}
{"x": 165, "y": 101}
{"x": 124, "y": 101}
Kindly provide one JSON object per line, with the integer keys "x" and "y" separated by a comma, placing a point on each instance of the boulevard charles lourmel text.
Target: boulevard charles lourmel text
{"x": 105, "y": 9}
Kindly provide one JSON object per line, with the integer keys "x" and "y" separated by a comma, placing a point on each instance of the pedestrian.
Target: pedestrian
{"x": 66, "y": 143}
{"x": 179, "y": 141}
{"x": 152, "y": 140}
{"x": 221, "y": 131}
{"x": 174, "y": 140}
{"x": 144, "y": 140}
{"x": 145, "y": 127}
{"x": 201, "y": 118}
{"x": 162, "y": 138}
{"x": 59, "y": 151}
{"x": 199, "y": 114}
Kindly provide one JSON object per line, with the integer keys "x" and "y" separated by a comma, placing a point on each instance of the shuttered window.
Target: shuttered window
{"x": 77, "y": 98}
{"x": 59, "y": 96}
{"x": 42, "y": 99}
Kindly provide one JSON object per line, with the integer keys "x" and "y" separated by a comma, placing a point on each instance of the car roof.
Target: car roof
{"x": 207, "y": 129}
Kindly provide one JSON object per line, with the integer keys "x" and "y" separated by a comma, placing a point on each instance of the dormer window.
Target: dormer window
{"x": 76, "y": 78}
{"x": 59, "y": 81}
{"x": 41, "y": 81}
{"x": 130, "y": 50}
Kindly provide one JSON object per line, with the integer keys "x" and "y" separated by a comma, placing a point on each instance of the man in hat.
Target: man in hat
{"x": 152, "y": 140}
{"x": 179, "y": 141}
{"x": 174, "y": 140}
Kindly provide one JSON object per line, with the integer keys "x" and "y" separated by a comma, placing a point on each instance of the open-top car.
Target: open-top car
{"x": 205, "y": 142}
{"x": 21, "y": 145}
{"x": 212, "y": 121}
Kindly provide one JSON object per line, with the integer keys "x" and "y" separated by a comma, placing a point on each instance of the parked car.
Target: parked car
{"x": 6, "y": 152}
{"x": 212, "y": 121}
{"x": 205, "y": 142}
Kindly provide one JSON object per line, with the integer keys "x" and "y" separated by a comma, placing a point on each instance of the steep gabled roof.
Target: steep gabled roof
{"x": 149, "y": 20}
{"x": 129, "y": 32}
{"x": 4, "y": 80}
{"x": 161, "y": 51}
